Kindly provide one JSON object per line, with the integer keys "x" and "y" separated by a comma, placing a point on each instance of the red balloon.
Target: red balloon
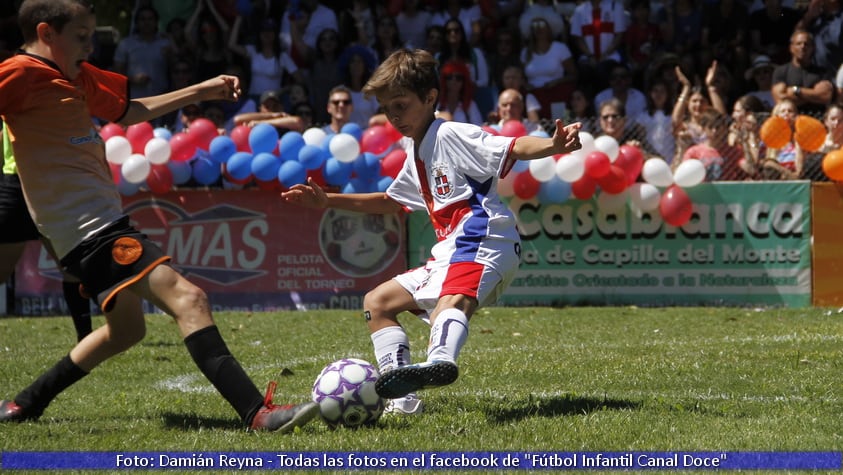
{"x": 525, "y": 186}
{"x": 240, "y": 136}
{"x": 110, "y": 130}
{"x": 115, "y": 173}
{"x": 631, "y": 160}
{"x": 392, "y": 132}
{"x": 182, "y": 147}
{"x": 675, "y": 206}
{"x": 375, "y": 140}
{"x": 597, "y": 164}
{"x": 138, "y": 135}
{"x": 269, "y": 185}
{"x": 318, "y": 177}
{"x": 584, "y": 188}
{"x": 393, "y": 162}
{"x": 160, "y": 179}
{"x": 614, "y": 181}
{"x": 513, "y": 128}
{"x": 203, "y": 131}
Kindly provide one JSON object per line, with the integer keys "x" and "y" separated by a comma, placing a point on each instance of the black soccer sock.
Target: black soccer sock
{"x": 211, "y": 355}
{"x": 38, "y": 395}
{"x": 79, "y": 307}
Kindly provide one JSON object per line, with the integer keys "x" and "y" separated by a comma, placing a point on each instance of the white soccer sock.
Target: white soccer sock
{"x": 392, "y": 348}
{"x": 447, "y": 336}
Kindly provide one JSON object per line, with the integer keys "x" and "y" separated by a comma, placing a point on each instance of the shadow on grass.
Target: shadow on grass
{"x": 554, "y": 406}
{"x": 192, "y": 422}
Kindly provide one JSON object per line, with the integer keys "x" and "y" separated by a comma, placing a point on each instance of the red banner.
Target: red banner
{"x": 249, "y": 251}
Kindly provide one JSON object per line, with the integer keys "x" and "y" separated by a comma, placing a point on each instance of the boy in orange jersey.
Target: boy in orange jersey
{"x": 48, "y": 93}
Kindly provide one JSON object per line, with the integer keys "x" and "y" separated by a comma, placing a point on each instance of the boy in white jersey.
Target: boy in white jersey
{"x": 451, "y": 171}
{"x": 48, "y": 93}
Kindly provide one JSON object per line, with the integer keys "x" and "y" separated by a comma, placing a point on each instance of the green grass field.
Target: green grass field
{"x": 532, "y": 379}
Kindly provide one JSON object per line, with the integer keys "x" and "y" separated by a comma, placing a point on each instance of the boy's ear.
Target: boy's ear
{"x": 45, "y": 32}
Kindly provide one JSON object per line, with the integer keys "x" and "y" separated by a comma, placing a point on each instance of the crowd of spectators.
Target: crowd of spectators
{"x": 652, "y": 68}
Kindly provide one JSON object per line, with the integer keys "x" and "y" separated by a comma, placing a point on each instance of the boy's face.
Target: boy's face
{"x": 407, "y": 112}
{"x": 73, "y": 45}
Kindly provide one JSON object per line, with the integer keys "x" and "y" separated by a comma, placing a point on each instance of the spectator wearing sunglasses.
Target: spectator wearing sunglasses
{"x": 339, "y": 109}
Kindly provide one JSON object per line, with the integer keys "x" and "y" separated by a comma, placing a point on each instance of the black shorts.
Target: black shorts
{"x": 15, "y": 222}
{"x": 113, "y": 259}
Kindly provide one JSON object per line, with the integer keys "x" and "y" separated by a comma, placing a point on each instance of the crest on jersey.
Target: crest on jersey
{"x": 443, "y": 186}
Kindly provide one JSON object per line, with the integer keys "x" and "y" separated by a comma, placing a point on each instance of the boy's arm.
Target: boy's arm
{"x": 566, "y": 139}
{"x": 222, "y": 87}
{"x": 312, "y": 195}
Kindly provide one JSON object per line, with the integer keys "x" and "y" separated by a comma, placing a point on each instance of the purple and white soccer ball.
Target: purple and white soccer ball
{"x": 345, "y": 392}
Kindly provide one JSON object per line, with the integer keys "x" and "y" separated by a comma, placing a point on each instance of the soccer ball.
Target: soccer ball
{"x": 357, "y": 244}
{"x": 345, "y": 392}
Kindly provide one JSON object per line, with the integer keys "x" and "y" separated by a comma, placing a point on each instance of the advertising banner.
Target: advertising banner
{"x": 747, "y": 243}
{"x": 826, "y": 211}
{"x": 249, "y": 251}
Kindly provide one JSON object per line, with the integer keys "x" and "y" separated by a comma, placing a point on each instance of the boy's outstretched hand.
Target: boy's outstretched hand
{"x": 566, "y": 138}
{"x": 222, "y": 87}
{"x": 310, "y": 195}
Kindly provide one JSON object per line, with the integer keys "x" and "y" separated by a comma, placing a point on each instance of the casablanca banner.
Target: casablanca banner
{"x": 248, "y": 250}
{"x": 747, "y": 243}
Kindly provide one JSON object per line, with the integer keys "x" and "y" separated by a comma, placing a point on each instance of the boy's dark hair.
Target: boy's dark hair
{"x": 55, "y": 13}
{"x": 411, "y": 70}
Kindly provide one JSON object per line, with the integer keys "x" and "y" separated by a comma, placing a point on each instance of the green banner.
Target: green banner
{"x": 748, "y": 243}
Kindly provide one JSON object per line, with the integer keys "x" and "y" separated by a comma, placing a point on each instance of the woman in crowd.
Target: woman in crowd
{"x": 549, "y": 66}
{"x": 456, "y": 99}
{"x": 656, "y": 120}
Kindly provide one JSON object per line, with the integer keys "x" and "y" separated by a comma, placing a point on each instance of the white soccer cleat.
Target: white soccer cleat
{"x": 407, "y": 405}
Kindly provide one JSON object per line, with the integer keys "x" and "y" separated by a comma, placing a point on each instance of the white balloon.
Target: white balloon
{"x": 657, "y": 172}
{"x": 117, "y": 149}
{"x": 644, "y": 196}
{"x": 689, "y": 173}
{"x": 344, "y": 147}
{"x": 314, "y": 136}
{"x": 135, "y": 169}
{"x": 608, "y": 145}
{"x": 587, "y": 141}
{"x": 543, "y": 169}
{"x": 157, "y": 150}
{"x": 609, "y": 203}
{"x": 571, "y": 167}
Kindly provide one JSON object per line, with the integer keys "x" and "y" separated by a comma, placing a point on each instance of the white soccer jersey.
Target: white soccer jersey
{"x": 455, "y": 181}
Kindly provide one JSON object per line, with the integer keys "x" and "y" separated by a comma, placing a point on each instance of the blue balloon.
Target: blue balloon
{"x": 539, "y": 133}
{"x": 384, "y": 183}
{"x": 367, "y": 166}
{"x": 128, "y": 189}
{"x": 291, "y": 173}
{"x": 206, "y": 171}
{"x": 554, "y": 191}
{"x": 265, "y": 166}
{"x": 326, "y": 145}
{"x": 359, "y": 185}
{"x": 162, "y": 133}
{"x": 239, "y": 165}
{"x": 244, "y": 8}
{"x": 263, "y": 138}
{"x": 221, "y": 148}
{"x": 290, "y": 144}
{"x": 336, "y": 173}
{"x": 181, "y": 171}
{"x": 520, "y": 166}
{"x": 311, "y": 157}
{"x": 352, "y": 128}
